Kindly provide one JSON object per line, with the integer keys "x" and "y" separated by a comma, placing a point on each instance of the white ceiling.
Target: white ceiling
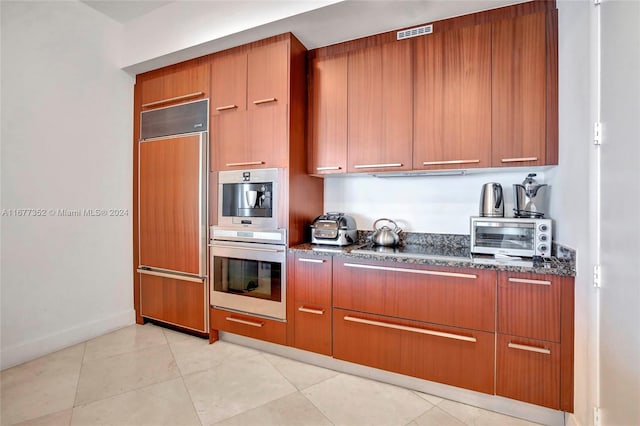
{"x": 124, "y": 11}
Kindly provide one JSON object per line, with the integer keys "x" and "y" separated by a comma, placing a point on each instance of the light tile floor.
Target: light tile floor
{"x": 148, "y": 375}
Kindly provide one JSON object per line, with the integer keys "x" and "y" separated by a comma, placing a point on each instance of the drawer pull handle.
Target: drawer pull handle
{"x": 412, "y": 271}
{"x": 323, "y": 168}
{"x": 264, "y": 101}
{"x": 376, "y": 166}
{"x": 518, "y": 160}
{"x": 524, "y": 281}
{"x": 245, "y": 322}
{"x": 435, "y": 163}
{"x": 530, "y": 348}
{"x": 311, "y": 311}
{"x": 245, "y": 163}
{"x": 412, "y": 329}
{"x": 177, "y": 98}
{"x": 302, "y": 259}
{"x": 226, "y": 107}
{"x": 171, "y": 276}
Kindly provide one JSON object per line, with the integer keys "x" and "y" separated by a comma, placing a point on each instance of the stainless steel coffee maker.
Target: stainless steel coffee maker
{"x": 531, "y": 198}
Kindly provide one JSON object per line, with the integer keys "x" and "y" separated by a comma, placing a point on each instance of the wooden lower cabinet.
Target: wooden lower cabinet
{"x": 454, "y": 356}
{"x": 247, "y": 325}
{"x": 312, "y": 331}
{"x": 528, "y": 370}
{"x": 173, "y": 301}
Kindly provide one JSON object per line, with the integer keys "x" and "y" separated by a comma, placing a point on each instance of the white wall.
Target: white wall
{"x": 434, "y": 204}
{"x": 66, "y": 144}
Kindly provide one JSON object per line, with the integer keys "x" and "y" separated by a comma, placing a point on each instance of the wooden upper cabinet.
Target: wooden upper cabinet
{"x": 452, "y": 99}
{"x": 175, "y": 84}
{"x": 250, "y": 107}
{"x": 268, "y": 75}
{"x": 229, "y": 83}
{"x": 380, "y": 106}
{"x": 328, "y": 115}
{"x": 519, "y": 91}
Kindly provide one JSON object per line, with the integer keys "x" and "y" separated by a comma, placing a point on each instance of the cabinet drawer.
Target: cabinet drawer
{"x": 529, "y": 305}
{"x": 250, "y": 326}
{"x": 447, "y": 355}
{"x": 528, "y": 370}
{"x": 313, "y": 279}
{"x": 177, "y": 302}
{"x": 312, "y": 328}
{"x": 451, "y": 296}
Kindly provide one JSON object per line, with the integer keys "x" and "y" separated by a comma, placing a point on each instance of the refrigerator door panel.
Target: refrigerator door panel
{"x": 172, "y": 197}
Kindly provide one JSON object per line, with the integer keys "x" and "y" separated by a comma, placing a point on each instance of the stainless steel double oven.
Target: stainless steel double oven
{"x": 248, "y": 249}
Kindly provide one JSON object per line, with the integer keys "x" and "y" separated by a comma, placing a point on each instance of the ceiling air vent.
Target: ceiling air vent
{"x": 415, "y": 32}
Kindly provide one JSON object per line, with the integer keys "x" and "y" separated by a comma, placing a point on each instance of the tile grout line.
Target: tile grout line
{"x": 75, "y": 397}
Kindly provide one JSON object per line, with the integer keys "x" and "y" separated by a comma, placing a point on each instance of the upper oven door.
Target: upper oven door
{"x": 249, "y": 198}
{"x": 249, "y": 277}
{"x": 508, "y": 237}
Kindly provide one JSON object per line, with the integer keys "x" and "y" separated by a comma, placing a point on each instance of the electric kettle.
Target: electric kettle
{"x": 491, "y": 200}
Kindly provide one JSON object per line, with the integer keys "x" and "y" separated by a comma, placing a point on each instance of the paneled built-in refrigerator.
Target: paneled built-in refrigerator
{"x": 172, "y": 206}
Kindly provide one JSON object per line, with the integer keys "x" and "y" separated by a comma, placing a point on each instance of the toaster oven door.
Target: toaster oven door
{"x": 509, "y": 238}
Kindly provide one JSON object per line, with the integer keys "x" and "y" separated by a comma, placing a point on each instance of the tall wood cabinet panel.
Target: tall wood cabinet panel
{"x": 452, "y": 99}
{"x": 268, "y": 75}
{"x": 379, "y": 85}
{"x": 175, "y": 84}
{"x": 328, "y": 115}
{"x": 519, "y": 102}
{"x": 228, "y": 83}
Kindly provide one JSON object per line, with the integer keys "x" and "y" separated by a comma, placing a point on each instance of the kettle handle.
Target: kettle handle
{"x": 497, "y": 189}
{"x": 388, "y": 220}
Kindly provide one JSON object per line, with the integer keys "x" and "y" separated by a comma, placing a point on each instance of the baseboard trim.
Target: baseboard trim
{"x": 39, "y": 346}
{"x": 495, "y": 403}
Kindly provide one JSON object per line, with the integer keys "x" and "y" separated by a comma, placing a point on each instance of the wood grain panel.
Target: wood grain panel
{"x": 530, "y": 310}
{"x": 459, "y": 363}
{"x": 263, "y": 329}
{"x": 313, "y": 280}
{"x": 268, "y": 136}
{"x": 380, "y": 107}
{"x": 461, "y": 302}
{"x": 452, "y": 99}
{"x": 176, "y": 81}
{"x": 312, "y": 331}
{"x": 174, "y": 301}
{"x": 229, "y": 82}
{"x": 528, "y": 376}
{"x": 328, "y": 115}
{"x": 552, "y": 87}
{"x": 169, "y": 204}
{"x": 519, "y": 91}
{"x": 229, "y": 139}
{"x": 567, "y": 327}
{"x": 136, "y": 247}
{"x": 268, "y": 75}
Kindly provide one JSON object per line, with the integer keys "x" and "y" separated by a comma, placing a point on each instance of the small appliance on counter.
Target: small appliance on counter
{"x": 335, "y": 229}
{"x": 530, "y": 198}
{"x": 511, "y": 236}
{"x": 491, "y": 200}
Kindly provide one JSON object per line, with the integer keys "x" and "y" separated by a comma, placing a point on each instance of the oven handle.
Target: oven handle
{"x": 247, "y": 248}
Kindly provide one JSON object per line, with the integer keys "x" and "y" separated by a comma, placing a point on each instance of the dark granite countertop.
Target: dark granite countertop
{"x": 442, "y": 250}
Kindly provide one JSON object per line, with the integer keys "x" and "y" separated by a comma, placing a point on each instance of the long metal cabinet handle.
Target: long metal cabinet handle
{"x": 302, "y": 259}
{"x": 247, "y": 248}
{"x": 376, "y": 166}
{"x": 172, "y": 276}
{"x": 264, "y": 101}
{"x": 311, "y": 311}
{"x": 524, "y": 281}
{"x": 226, "y": 107}
{"x": 412, "y": 271}
{"x": 435, "y": 163}
{"x": 411, "y": 329}
{"x": 529, "y": 348}
{"x": 517, "y": 160}
{"x": 323, "y": 168}
{"x": 177, "y": 98}
{"x": 245, "y": 322}
{"x": 245, "y": 163}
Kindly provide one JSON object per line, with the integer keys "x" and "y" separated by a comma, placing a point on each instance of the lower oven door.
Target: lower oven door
{"x": 249, "y": 277}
